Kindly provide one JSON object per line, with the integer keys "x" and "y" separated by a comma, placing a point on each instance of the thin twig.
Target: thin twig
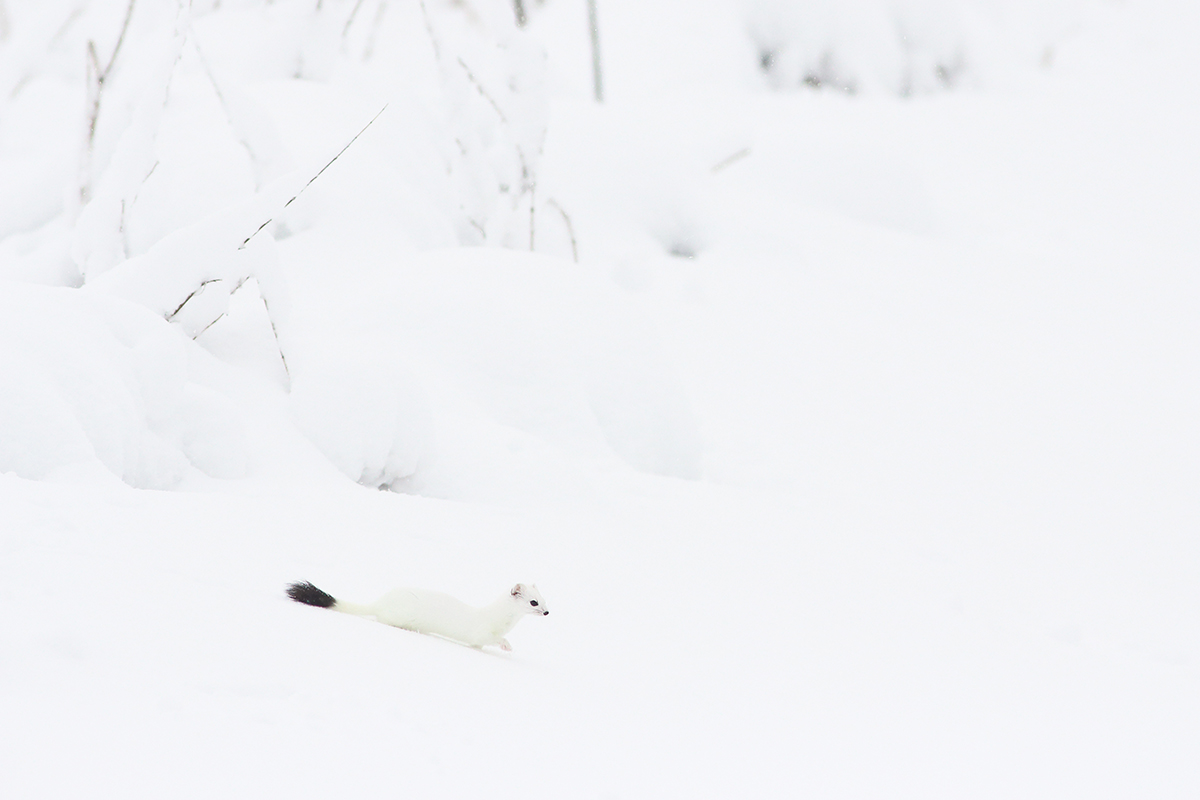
{"x": 350, "y": 19}
{"x": 528, "y": 184}
{"x": 94, "y": 62}
{"x": 314, "y": 177}
{"x": 369, "y": 50}
{"x": 241, "y": 282}
{"x": 29, "y": 74}
{"x": 433, "y": 40}
{"x": 725, "y": 162}
{"x": 100, "y": 75}
{"x": 478, "y": 227}
{"x": 66, "y": 26}
{"x": 532, "y": 208}
{"x": 479, "y": 86}
{"x": 126, "y": 208}
{"x": 594, "y": 31}
{"x": 195, "y": 292}
{"x": 120, "y": 40}
{"x": 335, "y": 158}
{"x": 212, "y": 79}
{"x": 274, "y": 330}
{"x": 570, "y": 228}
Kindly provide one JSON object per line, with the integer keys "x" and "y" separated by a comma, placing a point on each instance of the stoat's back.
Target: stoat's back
{"x": 429, "y": 612}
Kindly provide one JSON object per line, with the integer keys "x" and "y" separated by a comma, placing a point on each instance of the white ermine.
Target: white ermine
{"x": 440, "y": 614}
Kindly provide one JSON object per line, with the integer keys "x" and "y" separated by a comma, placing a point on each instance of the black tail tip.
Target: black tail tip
{"x": 309, "y": 595}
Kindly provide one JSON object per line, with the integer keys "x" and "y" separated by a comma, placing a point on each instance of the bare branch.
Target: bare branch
{"x": 94, "y": 62}
{"x": 66, "y": 26}
{"x": 519, "y": 9}
{"x": 233, "y": 124}
{"x": 127, "y": 207}
{"x": 433, "y": 40}
{"x": 94, "y": 89}
{"x": 478, "y": 227}
{"x": 97, "y": 75}
{"x": 483, "y": 92}
{"x": 275, "y": 331}
{"x": 570, "y": 228}
{"x": 594, "y": 28}
{"x": 195, "y": 292}
{"x": 725, "y": 162}
{"x": 532, "y": 210}
{"x": 335, "y": 158}
{"x": 241, "y": 282}
{"x": 314, "y": 177}
{"x": 369, "y": 50}
{"x": 350, "y": 19}
{"x": 120, "y": 40}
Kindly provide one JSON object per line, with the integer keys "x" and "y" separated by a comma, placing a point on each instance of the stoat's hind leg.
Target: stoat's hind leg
{"x": 504, "y": 645}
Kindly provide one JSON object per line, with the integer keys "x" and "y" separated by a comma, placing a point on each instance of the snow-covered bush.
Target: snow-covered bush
{"x": 186, "y": 157}
{"x": 156, "y": 188}
{"x": 904, "y": 47}
{"x": 91, "y": 383}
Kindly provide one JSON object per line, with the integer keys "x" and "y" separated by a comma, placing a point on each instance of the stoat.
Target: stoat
{"x": 440, "y": 614}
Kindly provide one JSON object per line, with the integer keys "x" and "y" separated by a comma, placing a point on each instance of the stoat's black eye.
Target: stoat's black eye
{"x": 533, "y": 602}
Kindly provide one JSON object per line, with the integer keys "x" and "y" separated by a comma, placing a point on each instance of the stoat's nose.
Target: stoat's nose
{"x": 545, "y": 613}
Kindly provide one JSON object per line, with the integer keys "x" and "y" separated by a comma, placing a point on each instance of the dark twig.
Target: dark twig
{"x": 532, "y": 209}
{"x": 275, "y": 330}
{"x": 314, "y": 177}
{"x": 570, "y": 228}
{"x": 433, "y": 40}
{"x": 350, "y": 19}
{"x": 195, "y": 292}
{"x": 97, "y": 75}
{"x": 229, "y": 116}
{"x": 120, "y": 40}
{"x": 483, "y": 92}
{"x": 221, "y": 316}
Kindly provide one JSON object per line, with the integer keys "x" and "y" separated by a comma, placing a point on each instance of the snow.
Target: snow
{"x": 850, "y": 436}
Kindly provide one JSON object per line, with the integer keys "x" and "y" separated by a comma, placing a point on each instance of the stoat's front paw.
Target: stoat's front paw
{"x": 505, "y": 646}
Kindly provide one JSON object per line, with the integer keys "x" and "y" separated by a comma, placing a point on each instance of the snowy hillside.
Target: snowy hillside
{"x": 835, "y": 378}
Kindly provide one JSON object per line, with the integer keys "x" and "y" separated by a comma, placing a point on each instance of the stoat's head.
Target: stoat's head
{"x": 529, "y": 599}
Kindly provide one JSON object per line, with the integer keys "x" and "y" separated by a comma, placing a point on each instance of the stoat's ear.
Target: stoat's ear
{"x": 518, "y": 590}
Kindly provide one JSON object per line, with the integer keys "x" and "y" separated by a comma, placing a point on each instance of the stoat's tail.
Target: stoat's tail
{"x": 310, "y": 595}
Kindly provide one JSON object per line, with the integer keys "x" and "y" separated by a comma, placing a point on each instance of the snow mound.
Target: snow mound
{"x": 499, "y": 341}
{"x": 538, "y": 345}
{"x": 362, "y": 410}
{"x": 91, "y": 385}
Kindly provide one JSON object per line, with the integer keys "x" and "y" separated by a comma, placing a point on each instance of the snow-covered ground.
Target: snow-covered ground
{"x": 850, "y": 432}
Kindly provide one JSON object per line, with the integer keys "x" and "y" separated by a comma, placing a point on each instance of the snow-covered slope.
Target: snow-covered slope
{"x": 852, "y": 440}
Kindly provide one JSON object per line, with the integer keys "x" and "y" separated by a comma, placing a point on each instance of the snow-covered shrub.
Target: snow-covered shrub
{"x": 904, "y": 46}
{"x": 97, "y": 384}
{"x": 175, "y": 176}
{"x": 488, "y": 113}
